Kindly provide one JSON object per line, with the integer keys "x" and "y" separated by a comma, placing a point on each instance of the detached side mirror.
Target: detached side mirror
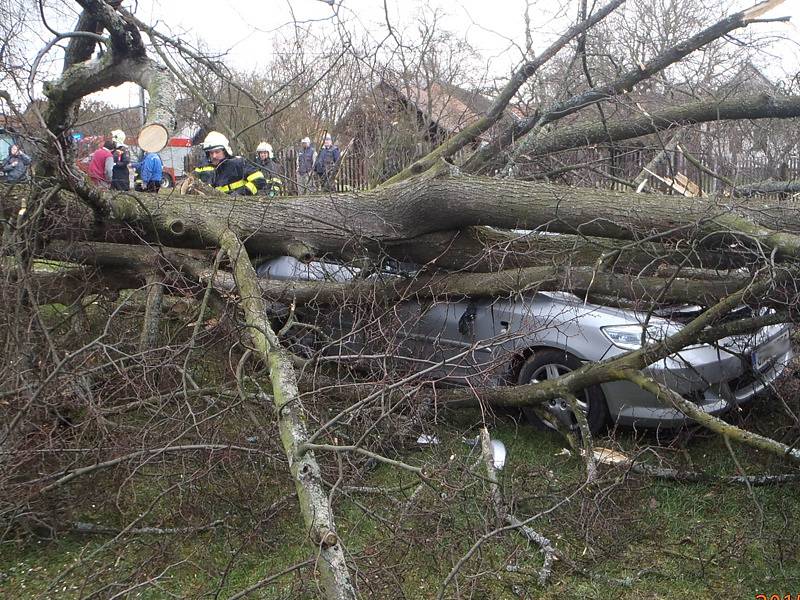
{"x": 467, "y": 319}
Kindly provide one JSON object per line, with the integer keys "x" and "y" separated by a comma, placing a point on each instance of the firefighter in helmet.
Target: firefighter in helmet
{"x": 225, "y": 172}
{"x": 266, "y": 163}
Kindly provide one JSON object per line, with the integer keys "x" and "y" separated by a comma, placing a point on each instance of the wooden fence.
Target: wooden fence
{"x": 602, "y": 167}
{"x": 352, "y": 173}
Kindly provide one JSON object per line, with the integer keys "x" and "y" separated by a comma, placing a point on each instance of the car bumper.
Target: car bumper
{"x": 715, "y": 380}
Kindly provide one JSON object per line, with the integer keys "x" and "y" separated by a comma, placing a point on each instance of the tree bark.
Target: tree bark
{"x": 125, "y": 60}
{"x": 350, "y": 225}
{"x": 580, "y": 280}
{"x": 770, "y": 187}
{"x": 152, "y": 314}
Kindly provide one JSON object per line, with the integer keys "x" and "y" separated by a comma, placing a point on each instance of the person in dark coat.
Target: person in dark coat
{"x": 120, "y": 176}
{"x": 327, "y": 163}
{"x": 15, "y": 166}
{"x": 306, "y": 157}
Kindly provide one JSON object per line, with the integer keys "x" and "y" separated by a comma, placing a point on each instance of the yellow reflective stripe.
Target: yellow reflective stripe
{"x": 252, "y": 187}
{"x": 231, "y": 186}
{"x": 254, "y": 176}
{"x": 203, "y": 169}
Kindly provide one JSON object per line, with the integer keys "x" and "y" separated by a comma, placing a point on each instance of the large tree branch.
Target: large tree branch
{"x": 580, "y": 280}
{"x": 770, "y": 187}
{"x": 715, "y": 424}
{"x": 350, "y": 224}
{"x": 125, "y": 60}
{"x": 758, "y": 106}
{"x": 624, "y": 83}
{"x": 314, "y": 502}
{"x": 520, "y": 76}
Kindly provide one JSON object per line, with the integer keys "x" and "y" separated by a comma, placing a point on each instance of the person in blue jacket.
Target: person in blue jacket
{"x": 14, "y": 168}
{"x": 151, "y": 172}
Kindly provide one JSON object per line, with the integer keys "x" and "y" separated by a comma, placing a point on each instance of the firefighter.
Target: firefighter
{"x": 270, "y": 168}
{"x": 225, "y": 172}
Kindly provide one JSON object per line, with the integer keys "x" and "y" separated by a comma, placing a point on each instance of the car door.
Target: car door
{"x": 454, "y": 339}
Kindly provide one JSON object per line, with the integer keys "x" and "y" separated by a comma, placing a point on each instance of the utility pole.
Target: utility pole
{"x": 142, "y": 105}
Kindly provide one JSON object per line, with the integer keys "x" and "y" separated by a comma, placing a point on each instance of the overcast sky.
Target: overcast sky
{"x": 247, "y": 29}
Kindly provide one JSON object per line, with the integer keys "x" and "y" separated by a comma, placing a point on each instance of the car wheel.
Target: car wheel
{"x": 550, "y": 364}
{"x": 166, "y": 181}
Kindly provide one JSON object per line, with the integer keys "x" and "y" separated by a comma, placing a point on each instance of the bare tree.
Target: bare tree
{"x": 138, "y": 337}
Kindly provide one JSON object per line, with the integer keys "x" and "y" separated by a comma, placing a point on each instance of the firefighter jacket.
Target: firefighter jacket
{"x": 232, "y": 176}
{"x": 270, "y": 168}
{"x": 272, "y": 176}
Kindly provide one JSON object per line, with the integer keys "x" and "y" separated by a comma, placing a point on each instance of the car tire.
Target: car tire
{"x": 547, "y": 364}
{"x": 166, "y": 181}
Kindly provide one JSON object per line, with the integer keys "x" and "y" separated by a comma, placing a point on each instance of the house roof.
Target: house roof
{"x": 749, "y": 79}
{"x": 448, "y": 106}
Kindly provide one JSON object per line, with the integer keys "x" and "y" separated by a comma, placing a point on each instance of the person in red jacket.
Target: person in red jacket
{"x": 102, "y": 164}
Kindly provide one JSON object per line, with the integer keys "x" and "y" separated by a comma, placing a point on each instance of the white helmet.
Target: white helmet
{"x": 216, "y": 141}
{"x": 265, "y": 147}
{"x": 118, "y": 137}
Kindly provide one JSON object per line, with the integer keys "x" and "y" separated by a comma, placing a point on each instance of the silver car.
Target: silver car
{"x": 539, "y": 336}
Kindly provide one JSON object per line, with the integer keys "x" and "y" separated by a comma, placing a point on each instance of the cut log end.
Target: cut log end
{"x": 153, "y": 137}
{"x": 327, "y": 538}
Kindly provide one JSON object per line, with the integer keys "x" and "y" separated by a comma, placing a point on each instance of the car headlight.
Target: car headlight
{"x": 630, "y": 337}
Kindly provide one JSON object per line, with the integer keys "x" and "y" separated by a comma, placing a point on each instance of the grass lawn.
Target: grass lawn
{"x": 629, "y": 536}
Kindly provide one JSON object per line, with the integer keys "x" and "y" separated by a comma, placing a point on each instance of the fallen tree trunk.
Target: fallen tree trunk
{"x": 350, "y": 225}
{"x": 355, "y": 224}
{"x": 768, "y": 188}
{"x": 474, "y": 249}
{"x": 121, "y": 265}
